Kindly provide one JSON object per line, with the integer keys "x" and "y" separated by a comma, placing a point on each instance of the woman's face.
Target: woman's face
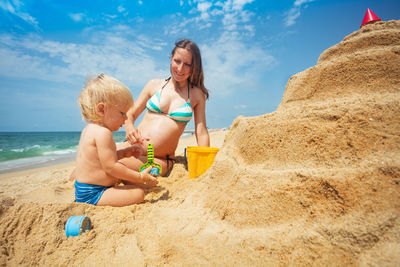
{"x": 181, "y": 65}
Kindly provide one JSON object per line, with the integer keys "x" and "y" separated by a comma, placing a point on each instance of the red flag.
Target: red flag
{"x": 369, "y": 17}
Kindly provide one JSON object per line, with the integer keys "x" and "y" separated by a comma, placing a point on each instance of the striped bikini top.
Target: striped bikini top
{"x": 182, "y": 114}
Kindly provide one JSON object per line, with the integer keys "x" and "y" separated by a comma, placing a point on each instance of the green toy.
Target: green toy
{"x": 156, "y": 170}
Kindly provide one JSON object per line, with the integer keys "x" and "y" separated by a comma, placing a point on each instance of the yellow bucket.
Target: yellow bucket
{"x": 199, "y": 159}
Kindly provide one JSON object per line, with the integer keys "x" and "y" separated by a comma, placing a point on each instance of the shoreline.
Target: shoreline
{"x": 35, "y": 165}
{"x": 70, "y": 161}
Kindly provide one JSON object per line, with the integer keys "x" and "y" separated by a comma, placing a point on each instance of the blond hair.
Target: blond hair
{"x": 102, "y": 89}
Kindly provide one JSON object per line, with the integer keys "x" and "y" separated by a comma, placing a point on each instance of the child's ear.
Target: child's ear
{"x": 100, "y": 108}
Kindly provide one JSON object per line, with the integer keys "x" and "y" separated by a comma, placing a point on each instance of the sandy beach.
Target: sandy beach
{"x": 315, "y": 183}
{"x": 48, "y": 184}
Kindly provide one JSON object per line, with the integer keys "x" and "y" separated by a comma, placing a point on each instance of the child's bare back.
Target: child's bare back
{"x": 89, "y": 168}
{"x": 104, "y": 102}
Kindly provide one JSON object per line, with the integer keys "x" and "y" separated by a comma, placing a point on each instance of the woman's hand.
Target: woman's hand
{"x": 132, "y": 134}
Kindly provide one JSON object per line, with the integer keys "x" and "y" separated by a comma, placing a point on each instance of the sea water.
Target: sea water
{"x": 23, "y": 150}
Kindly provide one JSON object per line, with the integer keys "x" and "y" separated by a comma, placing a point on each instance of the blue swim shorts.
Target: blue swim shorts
{"x": 89, "y": 193}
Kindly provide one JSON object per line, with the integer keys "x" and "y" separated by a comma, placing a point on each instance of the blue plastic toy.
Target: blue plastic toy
{"x": 76, "y": 225}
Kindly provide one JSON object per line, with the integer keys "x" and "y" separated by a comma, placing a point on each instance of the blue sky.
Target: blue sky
{"x": 250, "y": 49}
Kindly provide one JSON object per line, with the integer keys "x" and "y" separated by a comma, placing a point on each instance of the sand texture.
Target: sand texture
{"x": 315, "y": 183}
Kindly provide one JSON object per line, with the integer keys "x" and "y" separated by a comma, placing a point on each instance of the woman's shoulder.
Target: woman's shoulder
{"x": 154, "y": 84}
{"x": 197, "y": 93}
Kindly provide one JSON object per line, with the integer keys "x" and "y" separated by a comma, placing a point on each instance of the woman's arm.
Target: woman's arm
{"x": 132, "y": 134}
{"x": 135, "y": 150}
{"x": 202, "y": 136}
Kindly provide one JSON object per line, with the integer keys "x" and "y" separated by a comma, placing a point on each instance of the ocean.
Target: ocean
{"x": 25, "y": 150}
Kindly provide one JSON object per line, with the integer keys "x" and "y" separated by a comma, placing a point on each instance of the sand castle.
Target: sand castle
{"x": 317, "y": 182}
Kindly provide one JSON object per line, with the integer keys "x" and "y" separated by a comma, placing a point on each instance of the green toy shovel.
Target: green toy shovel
{"x": 156, "y": 170}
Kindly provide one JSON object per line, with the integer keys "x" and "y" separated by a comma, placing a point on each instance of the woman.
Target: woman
{"x": 170, "y": 104}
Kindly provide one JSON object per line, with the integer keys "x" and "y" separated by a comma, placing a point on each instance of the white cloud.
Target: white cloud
{"x": 77, "y": 16}
{"x": 234, "y": 14}
{"x": 181, "y": 25}
{"x": 230, "y": 62}
{"x": 232, "y": 65}
{"x": 291, "y": 16}
{"x": 16, "y": 8}
{"x": 84, "y": 17}
{"x": 294, "y": 13}
{"x": 238, "y": 4}
{"x": 203, "y": 7}
{"x": 63, "y": 62}
{"x": 301, "y": 2}
{"x": 241, "y": 106}
{"x": 230, "y": 13}
{"x": 121, "y": 8}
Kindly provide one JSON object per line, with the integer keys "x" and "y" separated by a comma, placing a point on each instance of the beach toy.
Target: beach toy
{"x": 184, "y": 155}
{"x": 199, "y": 159}
{"x": 76, "y": 225}
{"x": 369, "y": 17}
{"x": 156, "y": 170}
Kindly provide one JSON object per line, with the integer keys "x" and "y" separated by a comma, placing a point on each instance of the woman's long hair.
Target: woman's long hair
{"x": 196, "y": 77}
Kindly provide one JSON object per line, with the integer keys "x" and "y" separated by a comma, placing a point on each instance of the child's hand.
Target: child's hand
{"x": 147, "y": 177}
{"x": 134, "y": 151}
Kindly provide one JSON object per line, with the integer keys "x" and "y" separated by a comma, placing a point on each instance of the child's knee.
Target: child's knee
{"x": 138, "y": 195}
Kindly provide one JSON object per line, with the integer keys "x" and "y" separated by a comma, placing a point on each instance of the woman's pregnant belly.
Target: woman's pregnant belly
{"x": 163, "y": 132}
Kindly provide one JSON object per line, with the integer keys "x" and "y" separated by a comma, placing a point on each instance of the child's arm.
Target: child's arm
{"x": 107, "y": 153}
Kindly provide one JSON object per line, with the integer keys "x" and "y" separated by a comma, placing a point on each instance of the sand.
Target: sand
{"x": 317, "y": 182}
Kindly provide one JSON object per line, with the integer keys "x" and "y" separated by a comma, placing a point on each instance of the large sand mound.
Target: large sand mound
{"x": 315, "y": 183}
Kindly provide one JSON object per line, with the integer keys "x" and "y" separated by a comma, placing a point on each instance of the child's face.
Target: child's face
{"x": 115, "y": 116}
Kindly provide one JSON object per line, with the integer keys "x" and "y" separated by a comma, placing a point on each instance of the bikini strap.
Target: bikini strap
{"x": 188, "y": 89}
{"x": 188, "y": 92}
{"x": 166, "y": 82}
